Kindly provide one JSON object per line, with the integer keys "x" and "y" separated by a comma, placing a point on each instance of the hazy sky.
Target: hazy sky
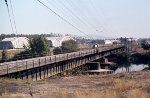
{"x": 109, "y": 18}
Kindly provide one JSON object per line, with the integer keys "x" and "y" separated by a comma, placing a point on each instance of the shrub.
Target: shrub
{"x": 4, "y": 56}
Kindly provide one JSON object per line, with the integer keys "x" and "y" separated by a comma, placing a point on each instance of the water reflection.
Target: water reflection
{"x": 128, "y": 67}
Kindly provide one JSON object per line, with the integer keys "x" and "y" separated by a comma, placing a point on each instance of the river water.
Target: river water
{"x": 131, "y": 67}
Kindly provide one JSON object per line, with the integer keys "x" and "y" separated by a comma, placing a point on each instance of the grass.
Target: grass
{"x": 122, "y": 89}
{"x": 78, "y": 94}
{"x": 17, "y": 95}
{"x": 11, "y": 52}
{"x": 129, "y": 85}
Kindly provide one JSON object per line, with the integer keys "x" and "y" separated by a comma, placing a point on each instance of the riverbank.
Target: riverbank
{"x": 122, "y": 85}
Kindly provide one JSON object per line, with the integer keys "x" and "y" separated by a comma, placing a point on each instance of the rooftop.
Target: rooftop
{"x": 12, "y": 38}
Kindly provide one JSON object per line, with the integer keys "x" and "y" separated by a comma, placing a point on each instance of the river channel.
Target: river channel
{"x": 130, "y": 67}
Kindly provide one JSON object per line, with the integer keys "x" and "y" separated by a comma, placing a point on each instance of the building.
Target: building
{"x": 57, "y": 41}
{"x": 14, "y": 43}
{"x": 111, "y": 42}
{"x": 108, "y": 42}
{"x": 116, "y": 42}
{"x": 148, "y": 42}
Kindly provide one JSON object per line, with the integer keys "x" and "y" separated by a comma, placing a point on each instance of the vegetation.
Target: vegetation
{"x": 2, "y": 36}
{"x": 123, "y": 85}
{"x": 4, "y": 56}
{"x": 39, "y": 44}
{"x": 141, "y": 58}
{"x": 123, "y": 57}
{"x": 145, "y": 45}
{"x": 67, "y": 47}
{"x": 58, "y": 50}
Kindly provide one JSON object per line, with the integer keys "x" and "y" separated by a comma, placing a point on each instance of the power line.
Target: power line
{"x": 73, "y": 13}
{"x": 95, "y": 19}
{"x": 63, "y": 11}
{"x": 59, "y": 9}
{"x": 81, "y": 20}
{"x": 62, "y": 18}
{"x": 97, "y": 11}
{"x": 9, "y": 16}
{"x": 85, "y": 16}
{"x": 66, "y": 8}
{"x": 13, "y": 16}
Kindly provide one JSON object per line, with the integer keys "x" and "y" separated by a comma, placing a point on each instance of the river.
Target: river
{"x": 131, "y": 67}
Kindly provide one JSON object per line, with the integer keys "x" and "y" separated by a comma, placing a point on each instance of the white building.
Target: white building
{"x": 111, "y": 41}
{"x": 148, "y": 42}
{"x": 108, "y": 42}
{"x": 57, "y": 41}
{"x": 14, "y": 43}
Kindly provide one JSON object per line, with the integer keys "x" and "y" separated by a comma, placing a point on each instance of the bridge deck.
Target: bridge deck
{"x": 15, "y": 66}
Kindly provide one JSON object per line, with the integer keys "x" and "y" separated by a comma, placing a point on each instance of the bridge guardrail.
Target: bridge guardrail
{"x": 14, "y": 66}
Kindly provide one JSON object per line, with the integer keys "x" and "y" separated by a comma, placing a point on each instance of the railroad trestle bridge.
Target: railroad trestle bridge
{"x": 44, "y": 67}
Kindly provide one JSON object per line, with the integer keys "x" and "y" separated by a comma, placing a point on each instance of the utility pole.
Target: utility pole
{"x": 131, "y": 44}
{"x": 125, "y": 41}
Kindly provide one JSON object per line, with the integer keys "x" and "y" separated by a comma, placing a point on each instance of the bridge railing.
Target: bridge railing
{"x": 14, "y": 66}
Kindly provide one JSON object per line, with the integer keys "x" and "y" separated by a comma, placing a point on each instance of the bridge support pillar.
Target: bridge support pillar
{"x": 29, "y": 74}
{"x": 38, "y": 73}
{"x": 49, "y": 70}
{"x": 94, "y": 65}
{"x": 42, "y": 73}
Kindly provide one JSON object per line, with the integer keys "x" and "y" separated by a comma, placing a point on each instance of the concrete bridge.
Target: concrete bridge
{"x": 44, "y": 67}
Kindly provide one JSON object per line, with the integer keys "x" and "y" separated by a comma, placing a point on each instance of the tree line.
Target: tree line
{"x": 2, "y": 36}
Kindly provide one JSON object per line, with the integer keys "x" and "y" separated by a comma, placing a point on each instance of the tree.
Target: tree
{"x": 57, "y": 50}
{"x": 69, "y": 46}
{"x": 39, "y": 44}
{"x": 124, "y": 57}
{"x": 4, "y": 55}
{"x": 145, "y": 45}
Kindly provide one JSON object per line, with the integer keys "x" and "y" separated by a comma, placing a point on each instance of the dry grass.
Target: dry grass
{"x": 81, "y": 94}
{"x": 129, "y": 85}
{"x": 137, "y": 93}
{"x": 14, "y": 81}
{"x": 17, "y": 95}
{"x": 107, "y": 94}
{"x": 11, "y": 52}
{"x": 122, "y": 85}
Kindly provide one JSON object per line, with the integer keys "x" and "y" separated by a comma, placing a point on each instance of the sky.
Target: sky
{"x": 92, "y": 18}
